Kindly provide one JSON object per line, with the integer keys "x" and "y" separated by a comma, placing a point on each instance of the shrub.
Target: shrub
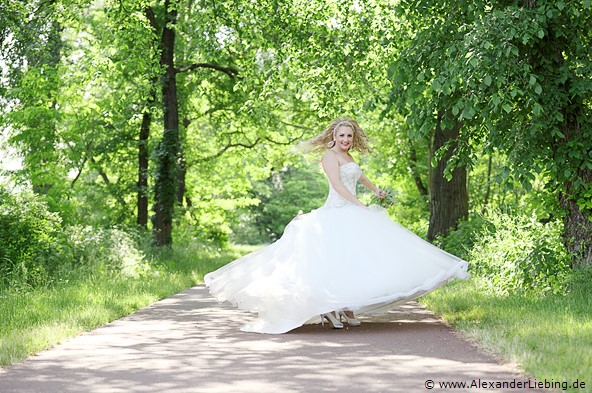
{"x": 108, "y": 251}
{"x": 29, "y": 237}
{"x": 460, "y": 241}
{"x": 518, "y": 253}
{"x": 37, "y": 250}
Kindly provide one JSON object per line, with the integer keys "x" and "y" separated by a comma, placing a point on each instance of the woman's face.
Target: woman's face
{"x": 344, "y": 138}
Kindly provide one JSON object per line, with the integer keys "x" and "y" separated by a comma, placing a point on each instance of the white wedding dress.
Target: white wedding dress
{"x": 340, "y": 256}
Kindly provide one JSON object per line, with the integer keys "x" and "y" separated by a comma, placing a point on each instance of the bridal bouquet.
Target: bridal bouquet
{"x": 386, "y": 202}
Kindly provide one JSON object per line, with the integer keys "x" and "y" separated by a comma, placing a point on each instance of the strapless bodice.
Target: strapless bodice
{"x": 349, "y": 174}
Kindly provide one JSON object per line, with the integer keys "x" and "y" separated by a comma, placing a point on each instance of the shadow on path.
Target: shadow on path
{"x": 190, "y": 343}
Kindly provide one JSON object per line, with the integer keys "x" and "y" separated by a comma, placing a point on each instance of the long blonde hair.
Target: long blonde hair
{"x": 321, "y": 141}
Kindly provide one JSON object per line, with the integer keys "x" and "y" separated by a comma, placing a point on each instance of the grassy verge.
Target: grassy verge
{"x": 39, "y": 319}
{"x": 549, "y": 337}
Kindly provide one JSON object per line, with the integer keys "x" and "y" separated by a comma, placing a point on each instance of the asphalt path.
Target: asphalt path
{"x": 190, "y": 343}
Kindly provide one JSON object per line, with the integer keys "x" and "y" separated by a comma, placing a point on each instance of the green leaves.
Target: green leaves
{"x": 29, "y": 235}
{"x": 437, "y": 86}
{"x": 560, "y": 5}
{"x": 517, "y": 77}
{"x": 516, "y": 71}
{"x": 516, "y": 253}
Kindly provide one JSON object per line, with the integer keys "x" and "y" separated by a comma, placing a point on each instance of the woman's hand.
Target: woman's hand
{"x": 380, "y": 193}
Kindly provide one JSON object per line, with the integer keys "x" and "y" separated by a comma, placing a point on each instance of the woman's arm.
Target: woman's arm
{"x": 368, "y": 184}
{"x": 331, "y": 168}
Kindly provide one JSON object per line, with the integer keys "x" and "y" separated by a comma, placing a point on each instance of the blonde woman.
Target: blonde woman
{"x": 339, "y": 259}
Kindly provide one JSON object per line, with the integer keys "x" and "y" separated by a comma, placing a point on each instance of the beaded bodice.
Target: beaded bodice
{"x": 349, "y": 174}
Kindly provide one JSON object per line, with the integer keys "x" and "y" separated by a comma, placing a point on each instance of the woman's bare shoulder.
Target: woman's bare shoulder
{"x": 330, "y": 161}
{"x": 330, "y": 155}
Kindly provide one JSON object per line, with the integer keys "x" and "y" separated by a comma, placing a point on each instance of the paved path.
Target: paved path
{"x": 189, "y": 343}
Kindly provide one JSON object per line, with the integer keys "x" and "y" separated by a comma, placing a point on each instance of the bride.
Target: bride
{"x": 340, "y": 259}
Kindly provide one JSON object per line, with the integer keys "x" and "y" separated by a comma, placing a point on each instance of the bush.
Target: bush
{"x": 29, "y": 235}
{"x": 105, "y": 251}
{"x": 518, "y": 253}
{"x": 460, "y": 241}
{"x": 37, "y": 250}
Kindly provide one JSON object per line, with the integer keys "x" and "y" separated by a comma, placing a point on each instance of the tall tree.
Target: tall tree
{"x": 33, "y": 54}
{"x": 429, "y": 35}
{"x": 517, "y": 75}
{"x": 168, "y": 150}
{"x": 144, "y": 136}
{"x": 533, "y": 99}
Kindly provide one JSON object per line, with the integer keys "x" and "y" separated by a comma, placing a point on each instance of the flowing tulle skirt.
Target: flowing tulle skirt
{"x": 333, "y": 258}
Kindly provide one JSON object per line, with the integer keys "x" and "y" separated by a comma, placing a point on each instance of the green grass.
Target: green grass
{"x": 549, "y": 337}
{"x": 39, "y": 319}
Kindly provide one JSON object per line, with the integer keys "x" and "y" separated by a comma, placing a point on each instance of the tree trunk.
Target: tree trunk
{"x": 423, "y": 191}
{"x": 181, "y": 184}
{"x": 142, "y": 184}
{"x": 166, "y": 178}
{"x": 577, "y": 225}
{"x": 143, "y": 153}
{"x": 487, "y": 184}
{"x": 449, "y": 200}
{"x": 577, "y": 232}
{"x": 181, "y": 187}
{"x": 181, "y": 181}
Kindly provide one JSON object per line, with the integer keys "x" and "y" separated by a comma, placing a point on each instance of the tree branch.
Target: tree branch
{"x": 109, "y": 185}
{"x": 79, "y": 172}
{"x": 87, "y": 155}
{"x": 289, "y": 142}
{"x": 225, "y": 148}
{"x": 231, "y": 145}
{"x": 231, "y": 72}
{"x": 149, "y": 13}
{"x": 295, "y": 125}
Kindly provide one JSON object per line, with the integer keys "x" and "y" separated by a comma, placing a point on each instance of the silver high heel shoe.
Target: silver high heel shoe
{"x": 350, "y": 320}
{"x": 332, "y": 320}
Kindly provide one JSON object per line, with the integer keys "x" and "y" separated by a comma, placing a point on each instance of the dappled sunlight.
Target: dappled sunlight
{"x": 190, "y": 343}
